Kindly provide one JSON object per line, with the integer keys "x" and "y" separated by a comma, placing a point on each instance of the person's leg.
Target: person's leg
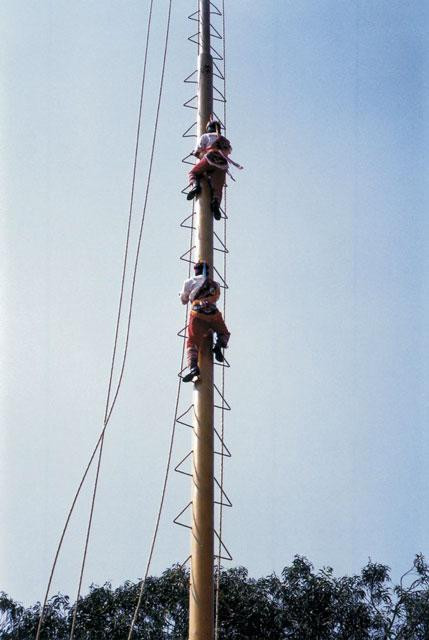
{"x": 217, "y": 183}
{"x": 222, "y": 336}
{"x": 195, "y": 177}
{"x": 196, "y": 333}
{"x": 191, "y": 354}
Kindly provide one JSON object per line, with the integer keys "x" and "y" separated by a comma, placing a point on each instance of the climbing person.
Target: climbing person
{"x": 204, "y": 319}
{"x": 213, "y": 151}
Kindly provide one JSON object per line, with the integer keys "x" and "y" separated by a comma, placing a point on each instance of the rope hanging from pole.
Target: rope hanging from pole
{"x": 110, "y": 404}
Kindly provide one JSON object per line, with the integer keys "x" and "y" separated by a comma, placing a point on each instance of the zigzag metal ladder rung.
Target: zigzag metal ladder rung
{"x": 222, "y": 97}
{"x": 224, "y": 499}
{"x": 215, "y": 54}
{"x": 193, "y": 135}
{"x": 182, "y": 415}
{"x": 217, "y": 11}
{"x": 192, "y": 38}
{"x": 186, "y": 226}
{"x": 219, "y": 73}
{"x": 189, "y": 106}
{"x": 229, "y": 556}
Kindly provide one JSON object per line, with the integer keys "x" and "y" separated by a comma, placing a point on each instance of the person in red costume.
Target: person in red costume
{"x": 213, "y": 151}
{"x": 205, "y": 319}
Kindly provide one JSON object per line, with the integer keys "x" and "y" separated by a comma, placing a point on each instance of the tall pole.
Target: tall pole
{"x": 201, "y": 595}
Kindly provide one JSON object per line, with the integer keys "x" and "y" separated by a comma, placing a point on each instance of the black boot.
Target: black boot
{"x": 217, "y": 350}
{"x": 193, "y": 375}
{"x": 215, "y": 209}
{"x": 195, "y": 191}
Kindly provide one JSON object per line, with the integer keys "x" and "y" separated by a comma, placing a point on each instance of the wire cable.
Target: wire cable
{"x": 131, "y": 206}
{"x": 88, "y": 533}
{"x": 134, "y": 278}
{"x": 108, "y": 408}
{"x": 107, "y": 413}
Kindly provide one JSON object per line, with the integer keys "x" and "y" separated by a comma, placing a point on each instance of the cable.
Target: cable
{"x": 108, "y": 412}
{"x": 133, "y": 182}
{"x": 142, "y": 219}
{"x": 149, "y": 175}
{"x": 64, "y": 532}
{"x": 94, "y": 493}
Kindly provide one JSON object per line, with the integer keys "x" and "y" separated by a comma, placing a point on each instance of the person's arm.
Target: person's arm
{"x": 199, "y": 149}
{"x": 184, "y": 294}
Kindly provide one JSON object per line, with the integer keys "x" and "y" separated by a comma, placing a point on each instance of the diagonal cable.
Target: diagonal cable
{"x": 143, "y": 216}
{"x": 118, "y": 322}
{"x": 109, "y": 408}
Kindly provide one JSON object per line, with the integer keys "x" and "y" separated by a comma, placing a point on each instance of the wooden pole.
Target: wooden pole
{"x": 201, "y": 597}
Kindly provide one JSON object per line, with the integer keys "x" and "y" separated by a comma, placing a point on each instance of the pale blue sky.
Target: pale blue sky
{"x": 328, "y": 275}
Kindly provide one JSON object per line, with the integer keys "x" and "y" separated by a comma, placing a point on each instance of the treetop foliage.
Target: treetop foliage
{"x": 300, "y": 604}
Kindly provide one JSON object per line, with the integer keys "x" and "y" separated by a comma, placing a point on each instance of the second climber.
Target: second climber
{"x": 204, "y": 319}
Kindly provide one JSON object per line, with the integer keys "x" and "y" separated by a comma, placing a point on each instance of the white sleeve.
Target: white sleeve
{"x": 184, "y": 294}
{"x": 202, "y": 143}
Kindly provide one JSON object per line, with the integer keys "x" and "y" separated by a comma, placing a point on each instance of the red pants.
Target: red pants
{"x": 200, "y": 326}
{"x": 217, "y": 176}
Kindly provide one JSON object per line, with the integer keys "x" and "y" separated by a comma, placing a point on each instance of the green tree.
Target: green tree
{"x": 300, "y": 604}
